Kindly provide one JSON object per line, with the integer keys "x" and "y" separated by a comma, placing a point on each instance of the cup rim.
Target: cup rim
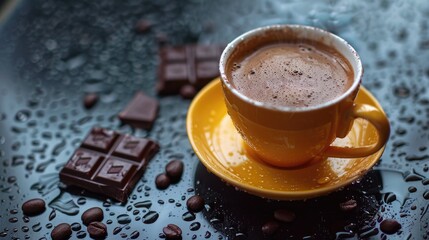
{"x": 230, "y": 48}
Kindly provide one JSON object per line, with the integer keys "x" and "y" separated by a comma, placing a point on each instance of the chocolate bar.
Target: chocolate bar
{"x": 109, "y": 163}
{"x": 194, "y": 65}
{"x": 140, "y": 112}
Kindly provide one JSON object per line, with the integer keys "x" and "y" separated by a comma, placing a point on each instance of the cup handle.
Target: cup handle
{"x": 378, "y": 119}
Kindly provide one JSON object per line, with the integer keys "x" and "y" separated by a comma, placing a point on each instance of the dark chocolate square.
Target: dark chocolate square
{"x": 100, "y": 139}
{"x": 203, "y": 52}
{"x": 174, "y": 54}
{"x": 131, "y": 147}
{"x": 83, "y": 163}
{"x": 115, "y": 172}
{"x": 206, "y": 71}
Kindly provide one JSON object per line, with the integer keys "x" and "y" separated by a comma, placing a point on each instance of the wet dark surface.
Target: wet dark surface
{"x": 53, "y": 53}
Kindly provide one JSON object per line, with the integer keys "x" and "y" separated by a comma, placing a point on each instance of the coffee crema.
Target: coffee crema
{"x": 291, "y": 74}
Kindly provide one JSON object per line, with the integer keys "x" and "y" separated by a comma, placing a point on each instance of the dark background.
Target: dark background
{"x": 53, "y": 52}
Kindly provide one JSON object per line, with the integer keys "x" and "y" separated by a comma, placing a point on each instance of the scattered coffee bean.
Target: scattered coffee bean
{"x": 143, "y": 25}
{"x": 90, "y": 100}
{"x": 97, "y": 230}
{"x": 33, "y": 207}
{"x": 61, "y": 232}
{"x": 284, "y": 215}
{"x": 195, "y": 203}
{"x": 390, "y": 226}
{"x": 348, "y": 206}
{"x": 162, "y": 181}
{"x": 94, "y": 214}
{"x": 172, "y": 231}
{"x": 174, "y": 170}
{"x": 188, "y": 91}
{"x": 270, "y": 227}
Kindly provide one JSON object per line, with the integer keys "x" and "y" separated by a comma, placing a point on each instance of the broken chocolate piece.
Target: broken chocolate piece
{"x": 108, "y": 163}
{"x": 140, "y": 112}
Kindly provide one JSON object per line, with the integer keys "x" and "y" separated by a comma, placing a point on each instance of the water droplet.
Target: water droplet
{"x": 65, "y": 204}
{"x": 81, "y": 200}
{"x": 207, "y": 234}
{"x": 195, "y": 226}
{"x": 402, "y": 92}
{"x": 117, "y": 230}
{"x": 25, "y": 229}
{"x": 37, "y": 227}
{"x": 76, "y": 226}
{"x": 134, "y": 235}
{"x": 81, "y": 234}
{"x": 59, "y": 148}
{"x": 22, "y": 116}
{"x": 323, "y": 180}
{"x": 188, "y": 216}
{"x": 426, "y": 195}
{"x": 52, "y": 215}
{"x": 389, "y": 197}
{"x": 11, "y": 179}
{"x": 144, "y": 204}
{"x": 411, "y": 176}
{"x": 124, "y": 219}
{"x": 13, "y": 220}
{"x": 17, "y": 160}
{"x": 150, "y": 217}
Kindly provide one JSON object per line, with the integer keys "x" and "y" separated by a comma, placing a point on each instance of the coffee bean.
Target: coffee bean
{"x": 195, "y": 203}
{"x": 143, "y": 25}
{"x": 174, "y": 170}
{"x": 97, "y": 230}
{"x": 188, "y": 91}
{"x": 90, "y": 100}
{"x": 270, "y": 227}
{"x": 172, "y": 231}
{"x": 284, "y": 215}
{"x": 33, "y": 207}
{"x": 94, "y": 214}
{"x": 390, "y": 226}
{"x": 348, "y": 206}
{"x": 162, "y": 181}
{"x": 61, "y": 232}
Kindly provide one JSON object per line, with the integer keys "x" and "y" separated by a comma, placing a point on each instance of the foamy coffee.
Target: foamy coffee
{"x": 292, "y": 74}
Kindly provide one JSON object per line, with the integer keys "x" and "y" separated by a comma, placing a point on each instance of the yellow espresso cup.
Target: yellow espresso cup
{"x": 285, "y": 136}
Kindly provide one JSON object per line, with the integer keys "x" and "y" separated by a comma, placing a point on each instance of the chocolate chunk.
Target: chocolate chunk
{"x": 61, "y": 232}
{"x": 172, "y": 232}
{"x": 143, "y": 25}
{"x": 194, "y": 65}
{"x": 33, "y": 207}
{"x": 284, "y": 215}
{"x": 174, "y": 170}
{"x": 162, "y": 181}
{"x": 270, "y": 227}
{"x": 94, "y": 214}
{"x": 348, "y": 206}
{"x": 90, "y": 100}
{"x": 195, "y": 203}
{"x": 97, "y": 230}
{"x": 140, "y": 112}
{"x": 390, "y": 226}
{"x": 108, "y": 163}
{"x": 188, "y": 91}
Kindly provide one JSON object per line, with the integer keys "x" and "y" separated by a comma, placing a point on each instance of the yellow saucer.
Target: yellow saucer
{"x": 220, "y": 148}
